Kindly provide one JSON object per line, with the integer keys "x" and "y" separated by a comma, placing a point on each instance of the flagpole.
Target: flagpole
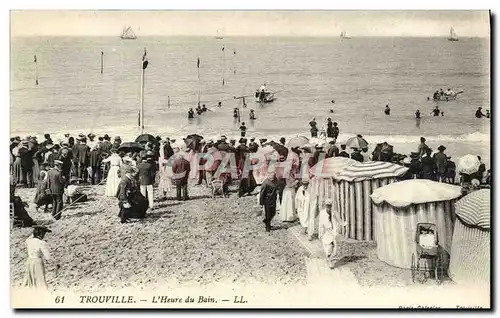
{"x": 143, "y": 69}
{"x": 199, "y": 82}
{"x": 102, "y": 60}
{"x": 36, "y": 71}
{"x": 223, "y": 64}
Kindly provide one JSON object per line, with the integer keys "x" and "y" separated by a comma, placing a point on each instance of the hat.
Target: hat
{"x": 117, "y": 138}
{"x": 66, "y": 135}
{"x": 106, "y": 136}
{"x": 58, "y": 162}
{"x": 18, "y": 138}
{"x": 328, "y": 202}
{"x": 91, "y": 135}
{"x": 243, "y": 140}
{"x": 150, "y": 154}
{"x": 305, "y": 181}
{"x": 441, "y": 148}
{"x": 223, "y": 137}
{"x": 49, "y": 146}
{"x": 172, "y": 141}
{"x": 65, "y": 151}
{"x": 252, "y": 139}
{"x": 232, "y": 141}
{"x": 81, "y": 135}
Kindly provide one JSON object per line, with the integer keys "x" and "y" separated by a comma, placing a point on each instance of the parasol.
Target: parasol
{"x": 468, "y": 164}
{"x": 356, "y": 142}
{"x": 282, "y": 150}
{"x": 193, "y": 141}
{"x": 297, "y": 142}
{"x": 145, "y": 138}
{"x": 130, "y": 146}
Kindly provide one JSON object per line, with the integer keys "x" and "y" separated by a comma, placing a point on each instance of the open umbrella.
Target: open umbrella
{"x": 130, "y": 146}
{"x": 356, "y": 142}
{"x": 193, "y": 141}
{"x": 297, "y": 142}
{"x": 282, "y": 150}
{"x": 145, "y": 138}
{"x": 468, "y": 164}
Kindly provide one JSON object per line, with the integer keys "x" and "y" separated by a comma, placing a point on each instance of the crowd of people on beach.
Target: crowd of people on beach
{"x": 130, "y": 172}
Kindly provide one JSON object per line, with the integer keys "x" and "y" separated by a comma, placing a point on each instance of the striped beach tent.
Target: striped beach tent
{"x": 470, "y": 247}
{"x": 398, "y": 209}
{"x": 321, "y": 186}
{"x": 352, "y": 190}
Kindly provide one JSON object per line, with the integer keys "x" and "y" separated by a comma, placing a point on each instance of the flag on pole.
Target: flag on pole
{"x": 144, "y": 55}
{"x": 198, "y": 64}
{"x": 34, "y": 61}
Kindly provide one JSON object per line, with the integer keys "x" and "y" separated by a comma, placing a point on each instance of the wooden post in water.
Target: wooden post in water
{"x": 102, "y": 60}
{"x": 169, "y": 102}
{"x": 36, "y": 70}
{"x": 199, "y": 83}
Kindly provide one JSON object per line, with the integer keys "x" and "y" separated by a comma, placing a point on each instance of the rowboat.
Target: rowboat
{"x": 264, "y": 97}
{"x": 446, "y": 98}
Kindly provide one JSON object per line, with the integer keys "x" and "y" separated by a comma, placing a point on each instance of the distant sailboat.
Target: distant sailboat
{"x": 128, "y": 34}
{"x": 343, "y": 35}
{"x": 453, "y": 36}
{"x": 218, "y": 36}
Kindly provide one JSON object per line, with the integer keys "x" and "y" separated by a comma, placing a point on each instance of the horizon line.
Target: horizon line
{"x": 247, "y": 36}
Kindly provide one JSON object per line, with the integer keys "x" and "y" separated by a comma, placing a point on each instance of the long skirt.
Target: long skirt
{"x": 112, "y": 182}
{"x": 137, "y": 210}
{"x": 165, "y": 182}
{"x": 35, "y": 273}
{"x": 41, "y": 198}
{"x": 287, "y": 212}
{"x": 17, "y": 171}
{"x": 36, "y": 171}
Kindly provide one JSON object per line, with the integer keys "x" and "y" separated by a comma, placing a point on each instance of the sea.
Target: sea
{"x": 360, "y": 75}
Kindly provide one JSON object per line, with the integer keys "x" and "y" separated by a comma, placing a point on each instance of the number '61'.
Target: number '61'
{"x": 59, "y": 299}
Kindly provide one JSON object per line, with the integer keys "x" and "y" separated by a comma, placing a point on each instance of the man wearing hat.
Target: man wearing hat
{"x": 440, "y": 159}
{"x": 253, "y": 146}
{"x": 26, "y": 154}
{"x": 95, "y": 161}
{"x": 55, "y": 187}
{"x": 181, "y": 169}
{"x": 267, "y": 198}
{"x": 66, "y": 165}
{"x": 106, "y": 144}
{"x": 117, "y": 142}
{"x": 202, "y": 174}
{"x": 333, "y": 151}
{"x": 147, "y": 174}
{"x": 356, "y": 155}
{"x": 82, "y": 155}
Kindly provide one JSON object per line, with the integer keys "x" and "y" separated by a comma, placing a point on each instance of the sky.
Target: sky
{"x": 250, "y": 23}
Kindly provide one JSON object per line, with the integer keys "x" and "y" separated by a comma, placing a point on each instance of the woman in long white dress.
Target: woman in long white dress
{"x": 37, "y": 252}
{"x": 287, "y": 211}
{"x": 113, "y": 180}
{"x": 165, "y": 182}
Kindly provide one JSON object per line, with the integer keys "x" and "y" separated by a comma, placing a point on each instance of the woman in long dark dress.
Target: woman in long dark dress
{"x": 132, "y": 203}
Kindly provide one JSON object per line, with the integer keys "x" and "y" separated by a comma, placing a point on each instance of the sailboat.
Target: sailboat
{"x": 218, "y": 36}
{"x": 343, "y": 36}
{"x": 128, "y": 34}
{"x": 453, "y": 36}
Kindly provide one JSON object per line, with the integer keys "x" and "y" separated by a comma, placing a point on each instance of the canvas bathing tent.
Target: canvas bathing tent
{"x": 352, "y": 191}
{"x": 322, "y": 184}
{"x": 398, "y": 209}
{"x": 470, "y": 247}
